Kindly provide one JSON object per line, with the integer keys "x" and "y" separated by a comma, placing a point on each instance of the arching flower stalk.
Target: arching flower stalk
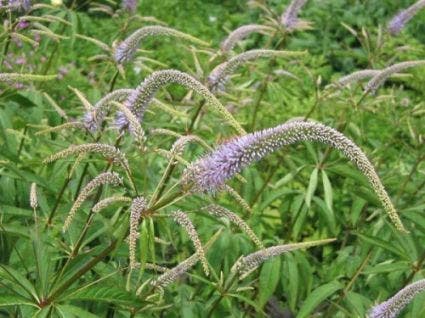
{"x": 220, "y": 211}
{"x": 399, "y": 21}
{"x": 125, "y": 51}
{"x": 212, "y": 171}
{"x": 384, "y": 74}
{"x": 183, "y": 220}
{"x": 139, "y": 100}
{"x": 221, "y": 73}
{"x": 241, "y": 33}
{"x": 94, "y": 118}
{"x": 102, "y": 204}
{"x": 393, "y": 306}
{"x": 249, "y": 263}
{"x": 289, "y": 18}
{"x": 102, "y": 179}
{"x": 138, "y": 207}
{"x": 106, "y": 150}
{"x": 23, "y": 78}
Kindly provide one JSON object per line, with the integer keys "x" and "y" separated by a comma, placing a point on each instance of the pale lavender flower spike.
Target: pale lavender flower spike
{"x": 125, "y": 51}
{"x": 393, "y": 306}
{"x": 211, "y": 172}
{"x": 139, "y": 100}
{"x": 289, "y": 18}
{"x": 240, "y": 33}
{"x": 129, "y": 5}
{"x": 399, "y": 21}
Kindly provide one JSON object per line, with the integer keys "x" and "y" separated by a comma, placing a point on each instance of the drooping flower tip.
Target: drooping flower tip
{"x": 394, "y": 305}
{"x": 240, "y": 33}
{"x": 399, "y": 21}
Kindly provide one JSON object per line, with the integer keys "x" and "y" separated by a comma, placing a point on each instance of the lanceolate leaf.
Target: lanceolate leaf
{"x": 319, "y": 295}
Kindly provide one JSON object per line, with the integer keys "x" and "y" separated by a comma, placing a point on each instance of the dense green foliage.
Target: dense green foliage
{"x": 299, "y": 193}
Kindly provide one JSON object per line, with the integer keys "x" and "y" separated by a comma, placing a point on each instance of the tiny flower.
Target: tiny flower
{"x": 211, "y": 172}
{"x": 393, "y": 306}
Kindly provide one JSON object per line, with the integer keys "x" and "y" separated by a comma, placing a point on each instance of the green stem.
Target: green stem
{"x": 81, "y": 272}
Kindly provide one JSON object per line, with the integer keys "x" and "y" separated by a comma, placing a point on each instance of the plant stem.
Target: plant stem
{"x": 81, "y": 272}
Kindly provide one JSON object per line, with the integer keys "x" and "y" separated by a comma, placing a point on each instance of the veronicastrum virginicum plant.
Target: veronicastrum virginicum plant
{"x": 137, "y": 183}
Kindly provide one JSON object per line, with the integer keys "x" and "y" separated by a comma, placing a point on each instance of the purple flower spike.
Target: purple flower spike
{"x": 400, "y": 20}
{"x": 289, "y": 18}
{"x": 211, "y": 172}
{"x": 129, "y": 5}
{"x": 393, "y": 306}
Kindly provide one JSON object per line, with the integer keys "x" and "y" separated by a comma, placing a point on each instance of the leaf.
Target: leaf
{"x": 269, "y": 278}
{"x": 108, "y": 294}
{"x": 17, "y": 279}
{"x": 75, "y": 311}
{"x": 327, "y": 188}
{"x": 382, "y": 244}
{"x": 318, "y": 296}
{"x": 12, "y": 300}
{"x": 312, "y": 185}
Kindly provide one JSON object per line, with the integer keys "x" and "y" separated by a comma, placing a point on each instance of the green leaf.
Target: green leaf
{"x": 19, "y": 280}
{"x": 327, "y": 188}
{"x": 12, "y": 300}
{"x": 383, "y": 244}
{"x": 312, "y": 185}
{"x": 317, "y": 297}
{"x": 74, "y": 311}
{"x": 108, "y": 294}
{"x": 269, "y": 278}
